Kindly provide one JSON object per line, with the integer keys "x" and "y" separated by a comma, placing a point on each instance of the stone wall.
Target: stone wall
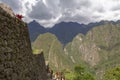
{"x": 7, "y": 8}
{"x": 16, "y": 59}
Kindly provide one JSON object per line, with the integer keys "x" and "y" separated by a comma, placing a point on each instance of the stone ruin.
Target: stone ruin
{"x": 16, "y": 59}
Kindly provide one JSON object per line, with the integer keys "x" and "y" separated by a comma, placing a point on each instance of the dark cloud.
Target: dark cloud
{"x": 82, "y": 19}
{"x": 85, "y": 3}
{"x": 40, "y": 11}
{"x": 50, "y": 12}
{"x": 81, "y": 11}
{"x": 100, "y": 9}
{"x": 67, "y": 3}
{"x": 63, "y": 7}
{"x": 96, "y": 16}
{"x": 76, "y": 18}
{"x": 14, "y": 4}
{"x": 70, "y": 8}
{"x": 117, "y": 14}
{"x": 53, "y": 7}
{"x": 116, "y": 8}
{"x": 27, "y": 5}
{"x": 74, "y": 3}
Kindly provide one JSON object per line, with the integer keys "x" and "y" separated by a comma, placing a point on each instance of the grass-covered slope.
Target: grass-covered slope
{"x": 53, "y": 51}
{"x": 99, "y": 48}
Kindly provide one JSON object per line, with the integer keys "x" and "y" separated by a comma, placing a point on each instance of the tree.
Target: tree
{"x": 82, "y": 74}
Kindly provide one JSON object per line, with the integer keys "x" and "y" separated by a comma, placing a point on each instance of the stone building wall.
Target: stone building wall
{"x": 16, "y": 59}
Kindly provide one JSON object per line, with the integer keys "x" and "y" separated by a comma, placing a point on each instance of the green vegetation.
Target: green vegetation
{"x": 112, "y": 74}
{"x": 53, "y": 52}
{"x": 69, "y": 76}
{"x": 98, "y": 50}
{"x": 80, "y": 73}
{"x": 36, "y": 51}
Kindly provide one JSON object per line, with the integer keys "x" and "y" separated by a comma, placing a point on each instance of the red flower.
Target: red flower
{"x": 19, "y": 16}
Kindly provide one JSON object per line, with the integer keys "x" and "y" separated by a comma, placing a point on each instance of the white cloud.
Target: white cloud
{"x": 50, "y": 12}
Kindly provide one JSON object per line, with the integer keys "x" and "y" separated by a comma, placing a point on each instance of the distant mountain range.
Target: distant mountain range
{"x": 35, "y": 29}
{"x": 98, "y": 49}
{"x": 64, "y": 31}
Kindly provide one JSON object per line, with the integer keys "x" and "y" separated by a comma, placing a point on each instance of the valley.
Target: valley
{"x": 98, "y": 50}
{"x": 59, "y": 40}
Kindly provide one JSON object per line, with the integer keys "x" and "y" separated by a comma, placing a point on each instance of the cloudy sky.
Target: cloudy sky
{"x": 50, "y": 12}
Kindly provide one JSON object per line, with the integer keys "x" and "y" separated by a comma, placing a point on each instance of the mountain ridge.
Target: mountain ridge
{"x": 64, "y": 31}
{"x": 98, "y": 49}
{"x": 35, "y": 29}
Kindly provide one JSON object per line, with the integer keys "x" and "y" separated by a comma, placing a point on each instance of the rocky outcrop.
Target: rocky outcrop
{"x": 16, "y": 59}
